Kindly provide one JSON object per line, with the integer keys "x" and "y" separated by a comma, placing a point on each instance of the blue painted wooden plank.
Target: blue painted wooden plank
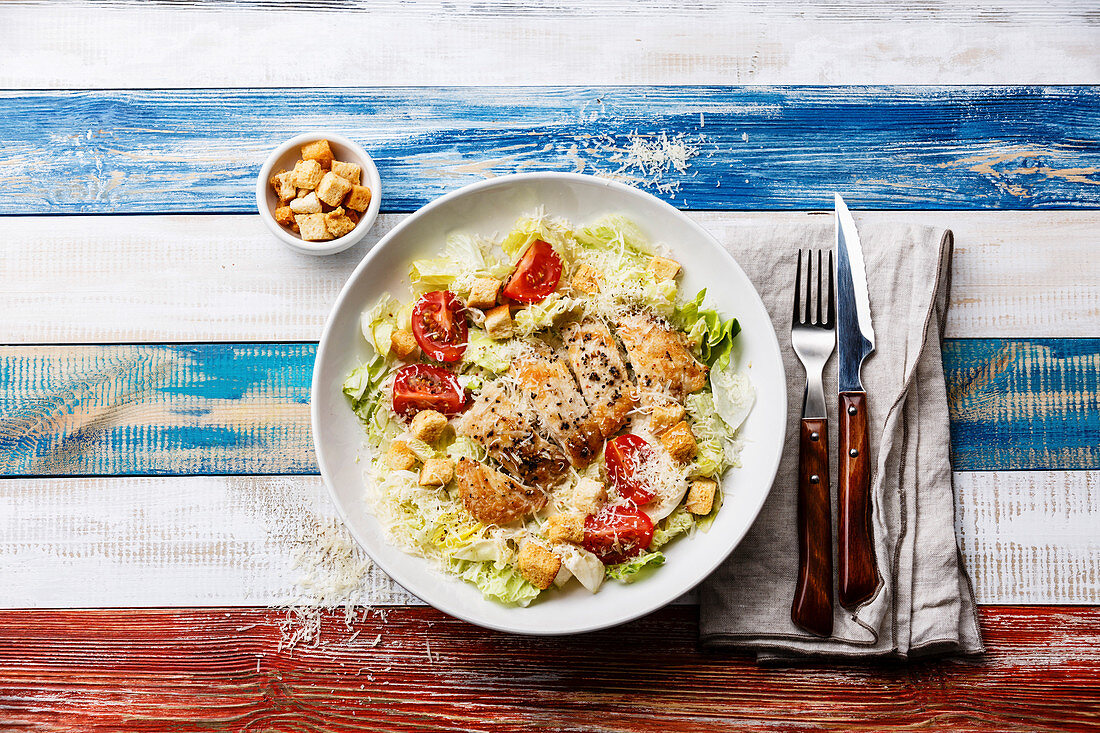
{"x": 1031, "y": 404}
{"x": 759, "y": 147}
{"x": 243, "y": 408}
{"x": 178, "y": 409}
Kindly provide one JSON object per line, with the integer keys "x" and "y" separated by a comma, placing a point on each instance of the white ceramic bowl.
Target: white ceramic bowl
{"x": 491, "y": 207}
{"x": 289, "y": 153}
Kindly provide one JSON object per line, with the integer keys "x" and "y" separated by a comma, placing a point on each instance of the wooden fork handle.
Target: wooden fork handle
{"x": 813, "y": 598}
{"x": 855, "y": 547}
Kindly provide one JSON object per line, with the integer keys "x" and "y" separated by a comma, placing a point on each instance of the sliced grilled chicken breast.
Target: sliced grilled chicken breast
{"x": 491, "y": 496}
{"x": 548, "y": 386}
{"x": 661, "y": 361}
{"x": 502, "y": 422}
{"x": 600, "y": 371}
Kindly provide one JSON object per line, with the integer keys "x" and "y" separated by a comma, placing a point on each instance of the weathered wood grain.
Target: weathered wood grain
{"x": 773, "y": 148}
{"x": 173, "y": 409}
{"x": 139, "y": 45}
{"x": 224, "y": 278}
{"x": 416, "y": 669}
{"x": 1002, "y": 394}
{"x": 1026, "y": 538}
{"x": 227, "y": 408}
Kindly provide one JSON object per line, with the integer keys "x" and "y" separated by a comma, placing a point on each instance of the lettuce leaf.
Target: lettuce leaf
{"x": 463, "y": 258}
{"x": 539, "y": 316}
{"x": 538, "y": 226}
{"x": 363, "y": 388}
{"x": 717, "y": 446}
{"x": 379, "y": 322}
{"x": 671, "y": 527}
{"x": 619, "y": 233}
{"x": 626, "y": 572}
{"x": 485, "y": 352}
{"x": 705, "y": 327}
{"x": 503, "y": 584}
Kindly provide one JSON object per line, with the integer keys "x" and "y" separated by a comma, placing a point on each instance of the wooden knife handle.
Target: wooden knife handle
{"x": 856, "y": 550}
{"x": 813, "y": 598}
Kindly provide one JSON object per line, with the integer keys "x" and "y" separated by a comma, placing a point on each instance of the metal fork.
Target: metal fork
{"x": 813, "y": 335}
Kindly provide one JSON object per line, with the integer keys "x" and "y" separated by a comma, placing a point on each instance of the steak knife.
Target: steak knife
{"x": 858, "y": 572}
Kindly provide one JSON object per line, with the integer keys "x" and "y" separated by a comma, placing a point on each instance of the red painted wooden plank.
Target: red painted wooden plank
{"x": 182, "y": 669}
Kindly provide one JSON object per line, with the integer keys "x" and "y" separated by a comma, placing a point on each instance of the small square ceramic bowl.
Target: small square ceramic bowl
{"x": 289, "y": 153}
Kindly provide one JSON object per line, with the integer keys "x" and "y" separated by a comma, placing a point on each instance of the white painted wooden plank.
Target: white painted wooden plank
{"x": 95, "y": 279}
{"x": 1027, "y": 537}
{"x": 1030, "y": 537}
{"x": 136, "y": 44}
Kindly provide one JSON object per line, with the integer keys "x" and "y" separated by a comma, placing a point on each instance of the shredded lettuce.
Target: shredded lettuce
{"x": 503, "y": 584}
{"x": 618, "y": 250}
{"x": 626, "y": 572}
{"x": 706, "y": 328}
{"x": 671, "y": 527}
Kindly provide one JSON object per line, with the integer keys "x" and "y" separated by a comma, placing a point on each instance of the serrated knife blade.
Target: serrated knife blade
{"x": 854, "y": 330}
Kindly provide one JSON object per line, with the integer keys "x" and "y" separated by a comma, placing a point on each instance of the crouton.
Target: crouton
{"x": 498, "y": 322}
{"x": 537, "y": 564}
{"x": 664, "y": 417}
{"x": 359, "y": 198}
{"x": 700, "y": 496}
{"x": 565, "y": 527}
{"x": 664, "y": 268}
{"x": 483, "y": 293}
{"x": 399, "y": 457}
{"x": 338, "y": 224}
{"x": 350, "y": 172}
{"x": 352, "y": 214}
{"x": 284, "y": 215}
{"x": 679, "y": 442}
{"x": 319, "y": 151}
{"x": 428, "y": 425}
{"x": 403, "y": 343}
{"x": 283, "y": 183}
{"x": 586, "y": 280}
{"x": 307, "y": 174}
{"x": 312, "y": 227}
{"x": 332, "y": 189}
{"x": 437, "y": 472}
{"x": 306, "y": 204}
{"x": 589, "y": 496}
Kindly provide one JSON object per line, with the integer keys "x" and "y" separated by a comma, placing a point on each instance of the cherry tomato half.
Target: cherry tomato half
{"x": 617, "y": 533}
{"x": 623, "y": 456}
{"x": 439, "y": 325}
{"x": 419, "y": 387}
{"x": 536, "y": 275}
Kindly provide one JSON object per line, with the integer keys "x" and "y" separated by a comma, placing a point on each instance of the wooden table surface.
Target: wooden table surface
{"x": 157, "y": 343}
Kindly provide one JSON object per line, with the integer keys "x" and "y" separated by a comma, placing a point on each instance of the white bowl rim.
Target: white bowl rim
{"x": 647, "y": 606}
{"x": 366, "y": 221}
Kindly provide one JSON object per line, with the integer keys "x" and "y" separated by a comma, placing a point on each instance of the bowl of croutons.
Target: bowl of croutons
{"x": 319, "y": 193}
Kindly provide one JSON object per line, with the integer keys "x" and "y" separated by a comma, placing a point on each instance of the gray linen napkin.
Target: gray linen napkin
{"x": 925, "y": 604}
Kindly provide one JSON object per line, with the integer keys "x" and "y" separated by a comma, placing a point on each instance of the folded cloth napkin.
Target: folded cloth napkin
{"x": 925, "y": 604}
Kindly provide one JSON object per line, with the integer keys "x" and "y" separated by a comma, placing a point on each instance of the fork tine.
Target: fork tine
{"x": 819, "y": 320}
{"x": 831, "y": 323}
{"x": 797, "y": 318}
